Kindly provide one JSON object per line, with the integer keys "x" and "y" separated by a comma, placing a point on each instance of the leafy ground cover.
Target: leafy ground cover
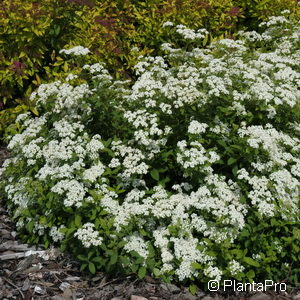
{"x": 188, "y": 174}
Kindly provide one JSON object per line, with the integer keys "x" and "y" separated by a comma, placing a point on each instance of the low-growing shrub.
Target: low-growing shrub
{"x": 190, "y": 173}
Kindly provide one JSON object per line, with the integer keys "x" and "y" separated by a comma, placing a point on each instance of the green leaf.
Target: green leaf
{"x": 151, "y": 251}
{"x": 29, "y": 226}
{"x": 196, "y": 266}
{"x": 154, "y": 174}
{"x": 212, "y": 253}
{"x": 251, "y": 262}
{"x": 250, "y": 274}
{"x": 124, "y": 260}
{"x": 114, "y": 258}
{"x": 222, "y": 143}
{"x": 142, "y": 272}
{"x": 82, "y": 257}
{"x": 231, "y": 161}
{"x": 205, "y": 40}
{"x": 78, "y": 220}
{"x": 156, "y": 272}
{"x": 143, "y": 232}
{"x": 239, "y": 253}
{"x": 90, "y": 254}
{"x": 82, "y": 267}
{"x": 193, "y": 289}
{"x": 296, "y": 233}
{"x": 92, "y": 268}
{"x": 134, "y": 254}
{"x": 234, "y": 170}
{"x": 134, "y": 268}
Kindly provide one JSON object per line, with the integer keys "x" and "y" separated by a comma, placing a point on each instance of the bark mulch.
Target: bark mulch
{"x": 34, "y": 273}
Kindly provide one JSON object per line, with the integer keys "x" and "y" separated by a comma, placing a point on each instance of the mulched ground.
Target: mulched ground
{"x": 35, "y": 273}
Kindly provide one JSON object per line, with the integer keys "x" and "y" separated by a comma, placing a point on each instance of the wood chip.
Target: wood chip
{"x": 12, "y": 256}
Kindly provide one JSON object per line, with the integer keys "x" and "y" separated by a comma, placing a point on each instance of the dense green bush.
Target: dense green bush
{"x": 255, "y": 11}
{"x": 32, "y": 33}
{"x": 191, "y": 173}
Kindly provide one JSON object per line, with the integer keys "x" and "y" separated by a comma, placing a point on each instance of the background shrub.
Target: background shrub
{"x": 32, "y": 33}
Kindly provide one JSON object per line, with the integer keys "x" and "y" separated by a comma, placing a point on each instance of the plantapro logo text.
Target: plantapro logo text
{"x": 214, "y": 285}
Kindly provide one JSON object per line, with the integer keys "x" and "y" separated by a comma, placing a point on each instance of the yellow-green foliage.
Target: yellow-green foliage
{"x": 32, "y": 33}
{"x": 113, "y": 28}
{"x": 260, "y": 10}
{"x": 29, "y": 31}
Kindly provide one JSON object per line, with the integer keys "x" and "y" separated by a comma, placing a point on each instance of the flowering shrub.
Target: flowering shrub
{"x": 32, "y": 33}
{"x": 190, "y": 173}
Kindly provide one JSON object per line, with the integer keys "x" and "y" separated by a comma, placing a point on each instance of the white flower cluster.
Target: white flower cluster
{"x": 275, "y": 20}
{"x": 94, "y": 172}
{"x": 33, "y": 128}
{"x": 186, "y": 251}
{"x": 71, "y": 77}
{"x": 232, "y": 45}
{"x": 197, "y": 128}
{"x": 77, "y": 50}
{"x": 167, "y": 24}
{"x": 17, "y": 192}
{"x": 94, "y": 145}
{"x": 95, "y": 68}
{"x": 132, "y": 161}
{"x": 196, "y": 155}
{"x": 56, "y": 233}
{"x": 67, "y": 96}
{"x": 136, "y": 243}
{"x": 190, "y": 34}
{"x": 161, "y": 237}
{"x": 74, "y": 192}
{"x": 281, "y": 184}
{"x": 213, "y": 272}
{"x": 39, "y": 229}
{"x": 235, "y": 267}
{"x": 88, "y": 235}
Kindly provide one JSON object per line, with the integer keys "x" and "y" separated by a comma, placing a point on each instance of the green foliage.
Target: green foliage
{"x": 32, "y": 33}
{"x": 255, "y": 11}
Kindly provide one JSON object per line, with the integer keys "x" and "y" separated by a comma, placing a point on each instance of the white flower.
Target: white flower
{"x": 190, "y": 34}
{"x": 136, "y": 243}
{"x": 134, "y": 49}
{"x": 114, "y": 163}
{"x": 94, "y": 172}
{"x": 235, "y": 267}
{"x": 71, "y": 77}
{"x": 77, "y": 50}
{"x": 74, "y": 191}
{"x": 167, "y": 24}
{"x": 197, "y": 128}
{"x": 213, "y": 272}
{"x": 56, "y": 233}
{"x": 88, "y": 235}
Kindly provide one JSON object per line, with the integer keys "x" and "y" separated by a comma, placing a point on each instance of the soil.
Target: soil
{"x": 33, "y": 273}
